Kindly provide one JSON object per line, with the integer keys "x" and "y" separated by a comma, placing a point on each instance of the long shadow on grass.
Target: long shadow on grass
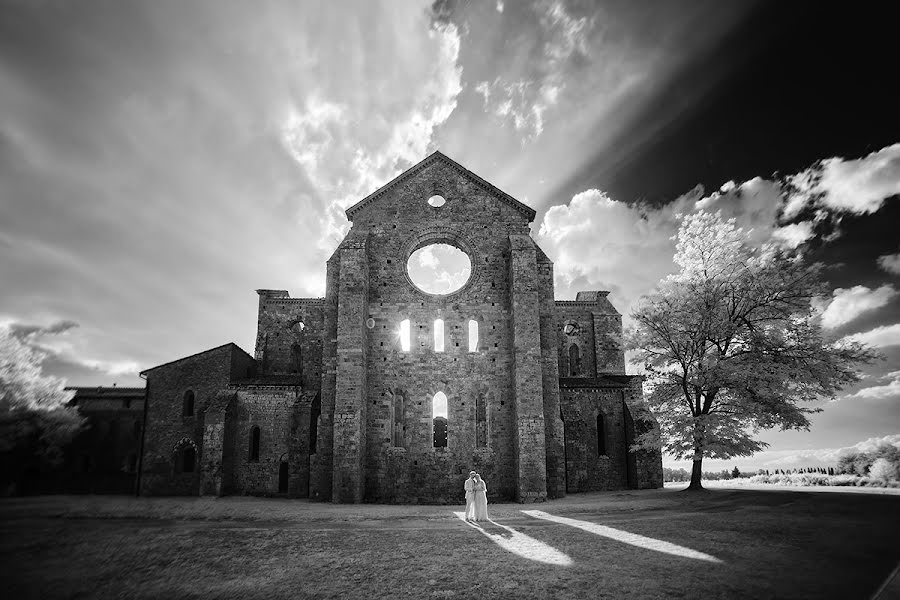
{"x": 623, "y": 536}
{"x": 518, "y": 543}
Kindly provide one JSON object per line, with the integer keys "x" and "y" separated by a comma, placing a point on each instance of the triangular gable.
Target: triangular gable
{"x": 178, "y": 360}
{"x": 527, "y": 211}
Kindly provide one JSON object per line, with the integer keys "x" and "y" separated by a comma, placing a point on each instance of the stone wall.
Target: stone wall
{"x": 290, "y": 335}
{"x": 586, "y": 469}
{"x": 645, "y": 465}
{"x": 168, "y": 430}
{"x": 476, "y": 221}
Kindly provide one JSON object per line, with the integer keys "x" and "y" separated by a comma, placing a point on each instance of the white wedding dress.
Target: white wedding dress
{"x": 479, "y": 504}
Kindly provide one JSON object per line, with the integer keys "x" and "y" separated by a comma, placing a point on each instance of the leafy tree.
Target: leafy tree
{"x": 735, "y": 473}
{"x": 732, "y": 345}
{"x": 35, "y": 422}
{"x": 884, "y": 469}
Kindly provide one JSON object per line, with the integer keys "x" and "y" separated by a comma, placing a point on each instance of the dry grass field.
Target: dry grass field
{"x": 648, "y": 544}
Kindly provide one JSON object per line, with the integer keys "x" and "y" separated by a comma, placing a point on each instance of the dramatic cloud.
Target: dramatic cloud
{"x": 154, "y": 177}
{"x": 345, "y": 163}
{"x": 890, "y": 263}
{"x": 525, "y": 100}
{"x": 880, "y": 337}
{"x": 599, "y": 242}
{"x": 847, "y": 304}
{"x": 857, "y": 186}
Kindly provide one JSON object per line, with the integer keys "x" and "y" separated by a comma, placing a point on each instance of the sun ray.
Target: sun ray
{"x": 623, "y": 536}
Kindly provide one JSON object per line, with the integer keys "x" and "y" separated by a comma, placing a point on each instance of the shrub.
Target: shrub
{"x": 842, "y": 480}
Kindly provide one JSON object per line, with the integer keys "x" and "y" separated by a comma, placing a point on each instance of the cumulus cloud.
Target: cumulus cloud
{"x": 857, "y": 186}
{"x": 890, "y": 263}
{"x": 879, "y": 337}
{"x": 825, "y": 456}
{"x": 847, "y": 304}
{"x": 597, "y": 242}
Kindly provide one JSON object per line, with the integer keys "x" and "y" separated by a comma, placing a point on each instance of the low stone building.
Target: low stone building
{"x": 383, "y": 392}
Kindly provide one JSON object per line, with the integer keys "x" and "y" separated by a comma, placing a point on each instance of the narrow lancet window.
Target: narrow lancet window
{"x": 601, "y": 436}
{"x": 404, "y": 335}
{"x": 481, "y": 425}
{"x": 438, "y": 335}
{"x": 187, "y": 404}
{"x": 473, "y": 336}
{"x": 439, "y": 420}
{"x": 574, "y": 360}
{"x": 254, "y": 444}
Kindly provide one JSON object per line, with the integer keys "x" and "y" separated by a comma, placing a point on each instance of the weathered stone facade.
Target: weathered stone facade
{"x": 334, "y": 408}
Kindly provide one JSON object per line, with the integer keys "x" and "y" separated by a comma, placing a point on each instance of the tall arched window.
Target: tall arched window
{"x": 404, "y": 335}
{"x": 473, "y": 335}
{"x": 438, "y": 335}
{"x": 574, "y": 360}
{"x": 187, "y": 404}
{"x": 439, "y": 419}
{"x": 254, "y": 444}
{"x": 601, "y": 436}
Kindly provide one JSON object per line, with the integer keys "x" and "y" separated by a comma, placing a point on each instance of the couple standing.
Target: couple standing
{"x": 476, "y": 498}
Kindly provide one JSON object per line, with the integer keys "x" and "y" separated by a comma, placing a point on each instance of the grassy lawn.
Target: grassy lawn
{"x": 648, "y": 544}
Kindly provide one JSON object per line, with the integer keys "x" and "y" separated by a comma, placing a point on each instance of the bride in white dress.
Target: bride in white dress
{"x": 480, "y": 501}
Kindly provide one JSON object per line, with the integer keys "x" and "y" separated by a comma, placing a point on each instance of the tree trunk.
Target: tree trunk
{"x": 696, "y": 473}
{"x": 697, "y": 468}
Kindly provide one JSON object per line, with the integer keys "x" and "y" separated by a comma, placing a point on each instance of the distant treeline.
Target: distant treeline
{"x": 879, "y": 466}
{"x": 735, "y": 473}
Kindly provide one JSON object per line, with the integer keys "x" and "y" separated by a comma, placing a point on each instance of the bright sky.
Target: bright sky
{"x": 159, "y": 161}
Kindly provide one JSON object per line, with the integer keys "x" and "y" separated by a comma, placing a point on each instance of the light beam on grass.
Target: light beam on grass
{"x": 623, "y": 536}
{"x": 521, "y": 544}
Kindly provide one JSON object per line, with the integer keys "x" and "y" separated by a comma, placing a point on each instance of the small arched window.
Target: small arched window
{"x": 574, "y": 360}
{"x": 439, "y": 419}
{"x": 187, "y": 404}
{"x": 254, "y": 444}
{"x": 473, "y": 335}
{"x": 601, "y": 435}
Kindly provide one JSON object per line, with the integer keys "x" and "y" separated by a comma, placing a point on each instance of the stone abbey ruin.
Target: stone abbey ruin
{"x": 340, "y": 400}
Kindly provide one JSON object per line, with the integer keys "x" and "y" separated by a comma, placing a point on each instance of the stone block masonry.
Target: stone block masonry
{"x": 348, "y": 398}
